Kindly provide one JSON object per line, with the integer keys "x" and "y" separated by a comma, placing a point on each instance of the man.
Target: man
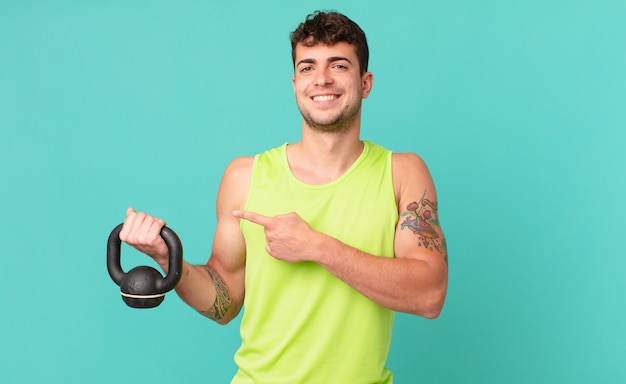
{"x": 322, "y": 240}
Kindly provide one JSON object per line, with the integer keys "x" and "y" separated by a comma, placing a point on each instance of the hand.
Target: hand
{"x": 143, "y": 232}
{"x": 288, "y": 236}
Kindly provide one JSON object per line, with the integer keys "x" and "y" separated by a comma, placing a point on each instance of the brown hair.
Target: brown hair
{"x": 331, "y": 28}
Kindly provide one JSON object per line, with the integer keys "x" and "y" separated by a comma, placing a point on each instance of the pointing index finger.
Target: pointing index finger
{"x": 253, "y": 217}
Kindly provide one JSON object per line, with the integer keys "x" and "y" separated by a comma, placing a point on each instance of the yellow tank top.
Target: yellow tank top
{"x": 301, "y": 324}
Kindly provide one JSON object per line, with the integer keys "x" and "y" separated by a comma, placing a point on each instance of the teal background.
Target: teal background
{"x": 518, "y": 108}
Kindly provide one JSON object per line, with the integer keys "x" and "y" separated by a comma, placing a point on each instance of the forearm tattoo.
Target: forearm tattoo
{"x": 222, "y": 297}
{"x": 422, "y": 219}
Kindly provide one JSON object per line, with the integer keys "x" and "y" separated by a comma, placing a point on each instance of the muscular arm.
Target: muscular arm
{"x": 216, "y": 289}
{"x": 414, "y": 281}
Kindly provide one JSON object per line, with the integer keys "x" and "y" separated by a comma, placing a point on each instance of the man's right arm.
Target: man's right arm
{"x": 216, "y": 289}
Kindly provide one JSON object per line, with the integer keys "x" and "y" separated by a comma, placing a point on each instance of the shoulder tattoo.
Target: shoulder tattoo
{"x": 222, "y": 297}
{"x": 422, "y": 219}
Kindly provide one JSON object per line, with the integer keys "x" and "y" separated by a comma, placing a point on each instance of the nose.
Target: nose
{"x": 323, "y": 77}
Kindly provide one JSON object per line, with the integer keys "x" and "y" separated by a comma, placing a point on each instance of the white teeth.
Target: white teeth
{"x": 324, "y": 98}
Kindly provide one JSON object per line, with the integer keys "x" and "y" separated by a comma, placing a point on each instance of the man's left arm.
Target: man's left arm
{"x": 414, "y": 281}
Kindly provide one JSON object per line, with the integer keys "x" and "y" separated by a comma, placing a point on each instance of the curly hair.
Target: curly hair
{"x": 331, "y": 28}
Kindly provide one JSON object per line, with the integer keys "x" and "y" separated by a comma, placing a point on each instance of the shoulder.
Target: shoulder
{"x": 408, "y": 164}
{"x": 235, "y": 184}
{"x": 411, "y": 178}
{"x": 239, "y": 167}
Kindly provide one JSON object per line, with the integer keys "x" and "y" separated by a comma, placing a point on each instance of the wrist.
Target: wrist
{"x": 323, "y": 248}
{"x": 163, "y": 261}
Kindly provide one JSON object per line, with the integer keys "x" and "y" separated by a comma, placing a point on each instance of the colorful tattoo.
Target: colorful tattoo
{"x": 422, "y": 219}
{"x": 222, "y": 297}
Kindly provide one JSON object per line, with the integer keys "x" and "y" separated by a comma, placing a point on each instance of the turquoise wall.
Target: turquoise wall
{"x": 518, "y": 108}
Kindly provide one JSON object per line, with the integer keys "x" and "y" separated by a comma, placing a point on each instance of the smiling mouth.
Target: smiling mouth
{"x": 325, "y": 97}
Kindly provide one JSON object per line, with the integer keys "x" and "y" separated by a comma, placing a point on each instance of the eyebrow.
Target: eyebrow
{"x": 338, "y": 58}
{"x": 330, "y": 60}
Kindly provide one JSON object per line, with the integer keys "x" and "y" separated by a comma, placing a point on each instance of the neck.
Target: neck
{"x": 321, "y": 157}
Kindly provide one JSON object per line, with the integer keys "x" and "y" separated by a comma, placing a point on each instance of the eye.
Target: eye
{"x": 339, "y": 67}
{"x": 307, "y": 68}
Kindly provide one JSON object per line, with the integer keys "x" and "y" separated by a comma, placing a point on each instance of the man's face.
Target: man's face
{"x": 329, "y": 87}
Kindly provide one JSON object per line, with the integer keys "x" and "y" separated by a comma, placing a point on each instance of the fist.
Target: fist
{"x": 143, "y": 232}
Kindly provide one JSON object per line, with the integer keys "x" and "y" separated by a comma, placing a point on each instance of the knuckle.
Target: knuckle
{"x": 144, "y": 239}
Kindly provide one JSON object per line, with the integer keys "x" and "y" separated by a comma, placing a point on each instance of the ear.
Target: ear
{"x": 367, "y": 80}
{"x": 293, "y": 82}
